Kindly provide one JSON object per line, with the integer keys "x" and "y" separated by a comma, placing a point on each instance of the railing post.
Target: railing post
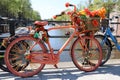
{"x": 12, "y": 27}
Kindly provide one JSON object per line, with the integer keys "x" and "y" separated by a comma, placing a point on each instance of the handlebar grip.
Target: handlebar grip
{"x": 68, "y": 4}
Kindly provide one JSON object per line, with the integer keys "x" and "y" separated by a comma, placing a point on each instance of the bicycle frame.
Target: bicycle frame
{"x": 66, "y": 42}
{"x": 107, "y": 34}
{"x": 51, "y": 57}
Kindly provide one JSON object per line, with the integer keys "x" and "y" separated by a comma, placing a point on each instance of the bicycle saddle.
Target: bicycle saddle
{"x": 41, "y": 23}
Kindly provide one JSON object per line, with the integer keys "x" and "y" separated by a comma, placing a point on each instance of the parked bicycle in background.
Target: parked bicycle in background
{"x": 9, "y": 24}
{"x": 106, "y": 38}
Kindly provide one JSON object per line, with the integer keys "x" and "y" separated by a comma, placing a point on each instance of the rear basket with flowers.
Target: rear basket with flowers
{"x": 90, "y": 20}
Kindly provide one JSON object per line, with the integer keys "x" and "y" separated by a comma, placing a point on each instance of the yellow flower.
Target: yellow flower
{"x": 82, "y": 12}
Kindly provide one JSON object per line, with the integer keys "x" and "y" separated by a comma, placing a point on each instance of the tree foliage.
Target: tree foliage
{"x": 110, "y": 5}
{"x": 17, "y": 9}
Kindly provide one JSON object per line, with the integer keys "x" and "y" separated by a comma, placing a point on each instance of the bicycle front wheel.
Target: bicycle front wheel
{"x": 16, "y": 56}
{"x": 86, "y": 53}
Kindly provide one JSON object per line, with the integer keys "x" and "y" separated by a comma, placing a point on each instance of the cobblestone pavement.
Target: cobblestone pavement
{"x": 67, "y": 71}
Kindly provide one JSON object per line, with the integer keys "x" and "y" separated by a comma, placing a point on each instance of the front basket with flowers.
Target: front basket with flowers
{"x": 91, "y": 19}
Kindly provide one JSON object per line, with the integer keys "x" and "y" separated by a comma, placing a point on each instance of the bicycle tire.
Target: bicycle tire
{"x": 14, "y": 57}
{"x": 86, "y": 60}
{"x": 106, "y": 48}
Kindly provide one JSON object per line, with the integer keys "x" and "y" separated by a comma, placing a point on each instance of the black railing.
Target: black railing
{"x": 12, "y": 23}
{"x": 114, "y": 22}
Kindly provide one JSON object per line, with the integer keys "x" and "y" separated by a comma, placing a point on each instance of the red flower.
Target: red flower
{"x": 87, "y": 11}
{"x": 95, "y": 23}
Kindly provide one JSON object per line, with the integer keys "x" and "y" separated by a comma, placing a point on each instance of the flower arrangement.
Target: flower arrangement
{"x": 91, "y": 19}
{"x": 96, "y": 13}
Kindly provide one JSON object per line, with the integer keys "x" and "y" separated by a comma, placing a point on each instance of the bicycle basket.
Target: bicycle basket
{"x": 92, "y": 24}
{"x": 89, "y": 24}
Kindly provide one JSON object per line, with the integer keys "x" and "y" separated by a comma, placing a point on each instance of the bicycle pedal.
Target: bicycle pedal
{"x": 55, "y": 66}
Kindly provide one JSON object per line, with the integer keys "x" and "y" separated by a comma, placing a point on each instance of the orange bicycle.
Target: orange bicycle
{"x": 27, "y": 55}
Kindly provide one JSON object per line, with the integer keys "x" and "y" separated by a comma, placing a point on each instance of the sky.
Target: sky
{"x": 49, "y": 8}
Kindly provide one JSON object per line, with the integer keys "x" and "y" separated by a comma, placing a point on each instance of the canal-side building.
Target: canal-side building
{"x": 4, "y": 27}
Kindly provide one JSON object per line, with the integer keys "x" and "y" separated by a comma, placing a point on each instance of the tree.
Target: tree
{"x": 3, "y": 8}
{"x": 118, "y": 5}
{"x": 108, "y": 4}
{"x": 18, "y": 9}
{"x": 36, "y": 16}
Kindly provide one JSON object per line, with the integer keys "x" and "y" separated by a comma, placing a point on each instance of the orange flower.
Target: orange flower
{"x": 87, "y": 11}
{"x": 99, "y": 12}
{"x": 102, "y": 12}
{"x": 94, "y": 13}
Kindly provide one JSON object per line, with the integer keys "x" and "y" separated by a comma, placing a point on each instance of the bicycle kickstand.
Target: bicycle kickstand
{"x": 55, "y": 65}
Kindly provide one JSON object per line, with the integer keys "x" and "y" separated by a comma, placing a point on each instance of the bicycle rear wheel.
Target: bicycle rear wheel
{"x": 16, "y": 56}
{"x": 86, "y": 53}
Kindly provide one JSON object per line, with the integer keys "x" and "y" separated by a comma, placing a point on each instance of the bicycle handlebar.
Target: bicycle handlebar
{"x": 62, "y": 13}
{"x": 69, "y": 13}
{"x": 105, "y": 25}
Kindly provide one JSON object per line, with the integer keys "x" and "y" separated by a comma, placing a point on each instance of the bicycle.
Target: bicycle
{"x": 5, "y": 40}
{"x": 2, "y": 47}
{"x": 105, "y": 40}
{"x": 2, "y": 64}
{"x": 86, "y": 52}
